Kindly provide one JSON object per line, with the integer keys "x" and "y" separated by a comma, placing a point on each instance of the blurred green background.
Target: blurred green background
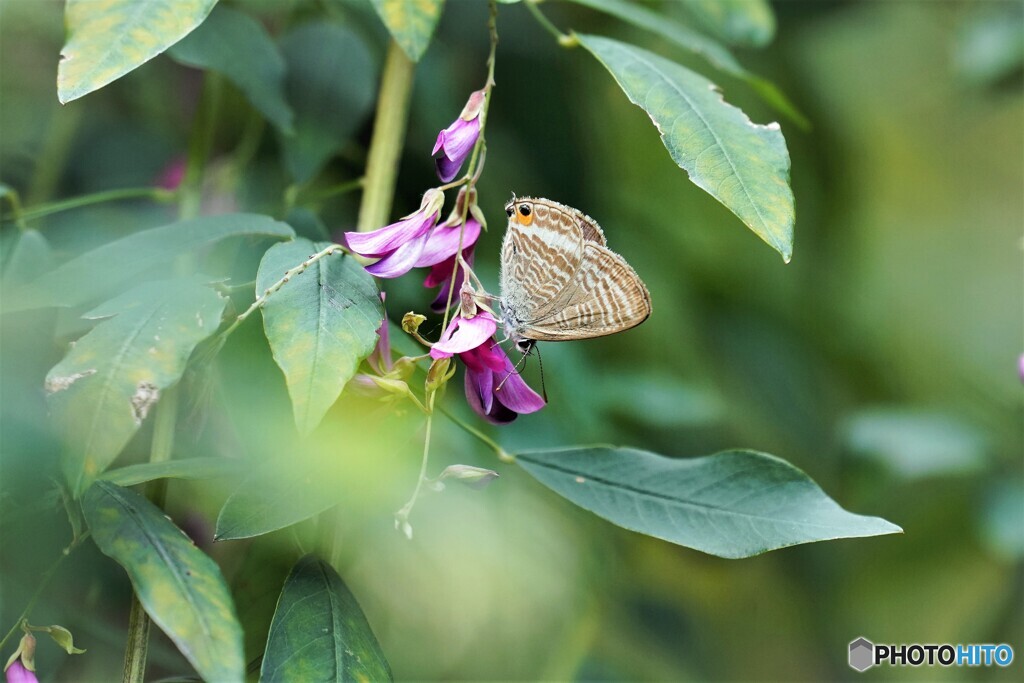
{"x": 882, "y": 360}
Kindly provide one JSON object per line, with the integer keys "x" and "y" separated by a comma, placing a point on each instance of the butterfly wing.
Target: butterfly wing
{"x": 604, "y": 296}
{"x": 540, "y": 255}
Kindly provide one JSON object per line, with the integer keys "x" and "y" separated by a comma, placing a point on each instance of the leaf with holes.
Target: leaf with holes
{"x": 743, "y": 165}
{"x": 319, "y": 632}
{"x": 106, "y": 269}
{"x": 320, "y": 325}
{"x": 109, "y": 38}
{"x": 732, "y": 504}
{"x": 217, "y": 44}
{"x": 103, "y": 389}
{"x": 179, "y": 586}
{"x": 410, "y": 22}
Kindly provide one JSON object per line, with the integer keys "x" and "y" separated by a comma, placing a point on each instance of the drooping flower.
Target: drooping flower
{"x": 494, "y": 388}
{"x": 455, "y": 142}
{"x": 399, "y": 245}
{"x": 172, "y": 174}
{"x": 20, "y": 667}
{"x": 440, "y": 252}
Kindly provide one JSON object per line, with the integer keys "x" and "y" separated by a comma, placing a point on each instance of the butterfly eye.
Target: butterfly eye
{"x": 509, "y": 211}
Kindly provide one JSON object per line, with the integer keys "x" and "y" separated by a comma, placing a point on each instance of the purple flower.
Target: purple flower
{"x": 399, "y": 245}
{"x": 493, "y": 387}
{"x": 464, "y": 334}
{"x": 455, "y": 142}
{"x": 441, "y": 274}
{"x": 17, "y": 673}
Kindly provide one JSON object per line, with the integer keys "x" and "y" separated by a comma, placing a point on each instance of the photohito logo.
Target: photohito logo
{"x": 864, "y": 654}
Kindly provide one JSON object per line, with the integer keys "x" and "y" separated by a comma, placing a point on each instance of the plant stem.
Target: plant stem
{"x": 158, "y": 194}
{"x": 565, "y": 40}
{"x": 387, "y": 141}
{"x": 44, "y": 581}
{"x": 502, "y": 454}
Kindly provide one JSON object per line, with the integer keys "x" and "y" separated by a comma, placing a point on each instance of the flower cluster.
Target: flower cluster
{"x": 493, "y": 387}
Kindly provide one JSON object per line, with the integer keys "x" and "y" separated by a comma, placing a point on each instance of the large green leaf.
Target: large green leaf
{"x": 743, "y": 165}
{"x": 319, "y": 632}
{"x": 103, "y": 270}
{"x": 747, "y": 23}
{"x": 29, "y": 255}
{"x": 731, "y": 504}
{"x": 320, "y": 325}
{"x": 411, "y": 23}
{"x": 187, "y": 468}
{"x": 102, "y": 390}
{"x": 709, "y": 48}
{"x": 279, "y": 493}
{"x": 256, "y": 586}
{"x": 331, "y": 83}
{"x": 234, "y": 44}
{"x": 109, "y": 38}
{"x": 179, "y": 586}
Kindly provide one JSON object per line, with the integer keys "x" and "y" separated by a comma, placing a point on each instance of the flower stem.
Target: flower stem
{"x": 387, "y": 141}
{"x": 158, "y": 194}
{"x": 502, "y": 454}
{"x": 44, "y": 581}
{"x": 565, "y": 40}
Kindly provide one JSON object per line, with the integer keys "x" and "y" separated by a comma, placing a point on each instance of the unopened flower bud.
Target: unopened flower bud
{"x": 474, "y": 477}
{"x": 441, "y": 370}
{"x": 411, "y": 322}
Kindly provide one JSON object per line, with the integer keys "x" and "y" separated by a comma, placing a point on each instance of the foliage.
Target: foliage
{"x": 179, "y": 196}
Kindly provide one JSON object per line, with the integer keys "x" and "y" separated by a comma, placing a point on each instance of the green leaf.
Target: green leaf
{"x": 279, "y": 493}
{"x": 29, "y": 255}
{"x": 743, "y": 165}
{"x": 179, "y": 586}
{"x": 331, "y": 84}
{"x": 187, "y": 468}
{"x": 106, "y": 269}
{"x": 320, "y": 325}
{"x": 319, "y": 632}
{"x": 217, "y": 45}
{"x": 109, "y": 38}
{"x": 732, "y": 504}
{"x": 746, "y": 23}
{"x": 709, "y": 48}
{"x": 102, "y": 390}
{"x": 410, "y": 22}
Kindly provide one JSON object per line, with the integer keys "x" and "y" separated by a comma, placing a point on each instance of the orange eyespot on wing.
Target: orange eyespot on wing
{"x": 524, "y": 214}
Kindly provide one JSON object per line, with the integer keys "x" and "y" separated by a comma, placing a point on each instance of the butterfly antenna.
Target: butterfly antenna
{"x": 515, "y": 371}
{"x": 543, "y": 387}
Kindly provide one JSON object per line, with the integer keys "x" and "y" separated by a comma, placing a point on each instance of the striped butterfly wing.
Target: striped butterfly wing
{"x": 605, "y": 296}
{"x": 541, "y": 252}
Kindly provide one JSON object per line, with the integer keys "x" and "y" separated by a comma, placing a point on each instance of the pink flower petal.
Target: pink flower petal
{"x": 17, "y": 673}
{"x": 444, "y": 242}
{"x": 398, "y": 262}
{"x": 464, "y": 334}
{"x": 385, "y": 240}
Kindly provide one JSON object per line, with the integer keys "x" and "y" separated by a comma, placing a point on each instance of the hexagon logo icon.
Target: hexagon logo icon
{"x": 862, "y": 654}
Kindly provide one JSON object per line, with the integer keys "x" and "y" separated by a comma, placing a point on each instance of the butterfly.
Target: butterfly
{"x": 559, "y": 280}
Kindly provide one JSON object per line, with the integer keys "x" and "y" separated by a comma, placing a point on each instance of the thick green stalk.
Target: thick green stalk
{"x": 387, "y": 141}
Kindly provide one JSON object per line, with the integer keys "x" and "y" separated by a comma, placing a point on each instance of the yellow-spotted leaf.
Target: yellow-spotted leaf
{"x": 742, "y": 164}
{"x": 109, "y": 38}
{"x": 411, "y": 22}
{"x": 104, "y": 388}
{"x": 179, "y": 586}
{"x": 319, "y": 632}
{"x": 320, "y": 325}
